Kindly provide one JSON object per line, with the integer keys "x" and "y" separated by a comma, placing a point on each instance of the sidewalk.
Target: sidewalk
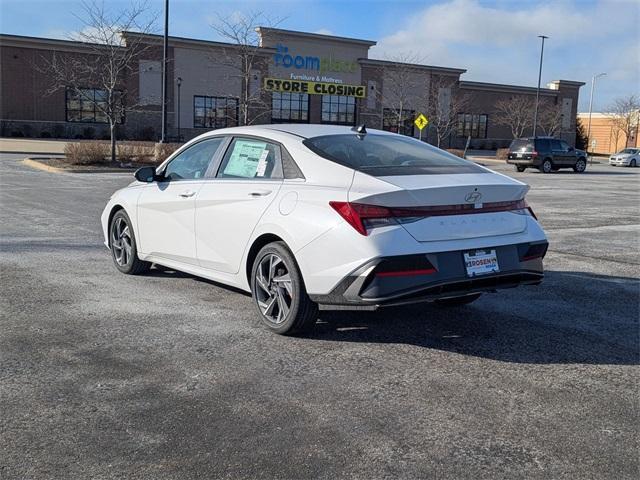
{"x": 32, "y": 145}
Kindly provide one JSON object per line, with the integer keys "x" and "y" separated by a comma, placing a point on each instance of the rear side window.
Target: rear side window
{"x": 251, "y": 158}
{"x": 521, "y": 145}
{"x": 543, "y": 145}
{"x": 386, "y": 155}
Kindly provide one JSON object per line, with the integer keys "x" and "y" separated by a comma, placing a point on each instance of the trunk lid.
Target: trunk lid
{"x": 475, "y": 189}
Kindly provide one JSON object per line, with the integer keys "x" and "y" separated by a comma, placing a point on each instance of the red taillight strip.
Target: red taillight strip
{"x": 355, "y": 213}
{"x": 407, "y": 273}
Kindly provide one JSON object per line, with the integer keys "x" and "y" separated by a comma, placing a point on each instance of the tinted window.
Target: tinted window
{"x": 543, "y": 145}
{"x": 381, "y": 155}
{"x": 521, "y": 145}
{"x": 251, "y": 158}
{"x": 192, "y": 163}
{"x": 556, "y": 145}
{"x": 564, "y": 146}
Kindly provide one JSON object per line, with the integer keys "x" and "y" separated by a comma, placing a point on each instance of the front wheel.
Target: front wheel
{"x": 580, "y": 166}
{"x": 458, "y": 301}
{"x": 279, "y": 292}
{"x": 123, "y": 245}
{"x": 632, "y": 163}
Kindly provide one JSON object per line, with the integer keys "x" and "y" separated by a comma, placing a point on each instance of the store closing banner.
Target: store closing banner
{"x": 314, "y": 88}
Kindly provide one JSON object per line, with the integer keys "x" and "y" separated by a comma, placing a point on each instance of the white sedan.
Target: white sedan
{"x": 629, "y": 157}
{"x": 301, "y": 215}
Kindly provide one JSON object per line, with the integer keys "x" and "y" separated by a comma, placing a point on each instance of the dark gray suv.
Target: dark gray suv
{"x": 546, "y": 154}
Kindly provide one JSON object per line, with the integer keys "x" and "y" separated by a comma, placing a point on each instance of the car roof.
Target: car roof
{"x": 303, "y": 130}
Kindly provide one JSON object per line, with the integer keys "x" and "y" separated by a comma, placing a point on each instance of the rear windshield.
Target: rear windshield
{"x": 386, "y": 155}
{"x": 521, "y": 145}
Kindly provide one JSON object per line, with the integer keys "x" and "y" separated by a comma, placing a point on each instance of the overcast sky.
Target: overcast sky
{"x": 494, "y": 40}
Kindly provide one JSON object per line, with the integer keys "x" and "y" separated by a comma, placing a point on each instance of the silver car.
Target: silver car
{"x": 629, "y": 157}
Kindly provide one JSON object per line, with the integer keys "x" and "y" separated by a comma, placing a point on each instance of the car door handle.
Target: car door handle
{"x": 260, "y": 193}
{"x": 187, "y": 194}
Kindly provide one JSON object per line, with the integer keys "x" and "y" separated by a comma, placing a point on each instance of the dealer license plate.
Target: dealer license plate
{"x": 519, "y": 155}
{"x": 481, "y": 262}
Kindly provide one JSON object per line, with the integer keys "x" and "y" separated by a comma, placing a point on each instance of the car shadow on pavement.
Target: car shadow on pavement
{"x": 572, "y": 317}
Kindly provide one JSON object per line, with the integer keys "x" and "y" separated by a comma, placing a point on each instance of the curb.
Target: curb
{"x": 34, "y": 163}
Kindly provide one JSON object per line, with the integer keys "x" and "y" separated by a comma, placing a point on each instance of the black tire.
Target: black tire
{"x": 580, "y": 166}
{"x": 458, "y": 301}
{"x": 547, "y": 166}
{"x": 632, "y": 163}
{"x": 272, "y": 291}
{"x": 125, "y": 244}
{"x": 520, "y": 168}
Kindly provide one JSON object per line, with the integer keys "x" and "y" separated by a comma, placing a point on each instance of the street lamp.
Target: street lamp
{"x": 165, "y": 54}
{"x": 535, "y": 115}
{"x": 179, "y": 83}
{"x": 593, "y": 84}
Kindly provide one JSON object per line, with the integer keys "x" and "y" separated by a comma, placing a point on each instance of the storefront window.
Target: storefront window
{"x": 289, "y": 107}
{"x": 215, "y": 112}
{"x": 338, "y": 109}
{"x": 392, "y": 122}
{"x": 88, "y": 105}
{"x": 472, "y": 125}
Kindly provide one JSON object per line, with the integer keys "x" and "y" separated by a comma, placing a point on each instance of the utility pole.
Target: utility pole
{"x": 535, "y": 115}
{"x": 179, "y": 83}
{"x": 163, "y": 137}
{"x": 593, "y": 84}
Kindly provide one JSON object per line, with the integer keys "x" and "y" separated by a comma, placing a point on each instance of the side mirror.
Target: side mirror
{"x": 146, "y": 174}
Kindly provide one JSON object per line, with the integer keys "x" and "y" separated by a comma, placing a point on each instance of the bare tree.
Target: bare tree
{"x": 443, "y": 105}
{"x": 244, "y": 57}
{"x": 515, "y": 113}
{"x": 403, "y": 88}
{"x": 550, "y": 118}
{"x": 625, "y": 116}
{"x": 98, "y": 77}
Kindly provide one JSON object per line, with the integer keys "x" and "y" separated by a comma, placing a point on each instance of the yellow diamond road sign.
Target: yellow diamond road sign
{"x": 421, "y": 121}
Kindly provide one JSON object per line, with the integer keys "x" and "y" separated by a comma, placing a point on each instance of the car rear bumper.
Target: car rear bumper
{"x": 525, "y": 162}
{"x": 369, "y": 285}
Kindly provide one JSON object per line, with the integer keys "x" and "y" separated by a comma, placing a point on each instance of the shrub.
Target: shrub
{"x": 162, "y": 150}
{"x": 86, "y": 153}
{"x": 136, "y": 151}
{"x": 457, "y": 152}
{"x": 502, "y": 153}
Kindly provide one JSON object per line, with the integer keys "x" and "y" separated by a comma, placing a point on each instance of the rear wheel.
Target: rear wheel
{"x": 580, "y": 166}
{"x": 123, "y": 245}
{"x": 279, "y": 292}
{"x": 520, "y": 168}
{"x": 458, "y": 301}
{"x": 547, "y": 166}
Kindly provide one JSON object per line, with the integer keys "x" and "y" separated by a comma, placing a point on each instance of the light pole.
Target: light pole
{"x": 535, "y": 115}
{"x": 179, "y": 83}
{"x": 593, "y": 84}
{"x": 165, "y": 54}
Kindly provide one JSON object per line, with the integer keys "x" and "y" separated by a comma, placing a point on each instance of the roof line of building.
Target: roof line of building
{"x": 499, "y": 86}
{"x": 75, "y": 45}
{"x": 417, "y": 66}
{"x": 192, "y": 41}
{"x": 357, "y": 41}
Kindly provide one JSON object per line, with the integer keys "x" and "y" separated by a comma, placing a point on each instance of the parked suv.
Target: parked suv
{"x": 546, "y": 154}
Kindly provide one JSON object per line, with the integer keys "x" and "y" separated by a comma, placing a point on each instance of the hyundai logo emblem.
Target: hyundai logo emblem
{"x": 473, "y": 197}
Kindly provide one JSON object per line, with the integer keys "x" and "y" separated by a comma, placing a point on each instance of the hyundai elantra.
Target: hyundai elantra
{"x": 308, "y": 215}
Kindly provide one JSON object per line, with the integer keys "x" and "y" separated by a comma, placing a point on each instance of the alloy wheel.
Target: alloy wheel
{"x": 581, "y": 165}
{"x": 121, "y": 241}
{"x": 547, "y": 166}
{"x": 273, "y": 288}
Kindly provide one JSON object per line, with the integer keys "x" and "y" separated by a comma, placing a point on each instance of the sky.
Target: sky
{"x": 496, "y": 41}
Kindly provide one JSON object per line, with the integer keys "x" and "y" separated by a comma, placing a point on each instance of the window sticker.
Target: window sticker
{"x": 262, "y": 164}
{"x": 245, "y": 158}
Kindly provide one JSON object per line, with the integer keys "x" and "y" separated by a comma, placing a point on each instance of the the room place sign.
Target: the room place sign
{"x": 314, "y": 88}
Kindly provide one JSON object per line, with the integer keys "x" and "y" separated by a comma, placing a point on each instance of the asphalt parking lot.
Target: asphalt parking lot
{"x": 168, "y": 376}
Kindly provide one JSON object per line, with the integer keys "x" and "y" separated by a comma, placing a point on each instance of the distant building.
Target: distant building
{"x": 299, "y": 77}
{"x": 607, "y": 136}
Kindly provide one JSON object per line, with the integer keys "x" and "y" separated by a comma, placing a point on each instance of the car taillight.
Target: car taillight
{"x": 362, "y": 216}
{"x": 538, "y": 250}
{"x": 534, "y": 154}
{"x": 531, "y": 212}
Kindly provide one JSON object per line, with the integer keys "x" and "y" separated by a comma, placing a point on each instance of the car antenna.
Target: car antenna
{"x": 361, "y": 131}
